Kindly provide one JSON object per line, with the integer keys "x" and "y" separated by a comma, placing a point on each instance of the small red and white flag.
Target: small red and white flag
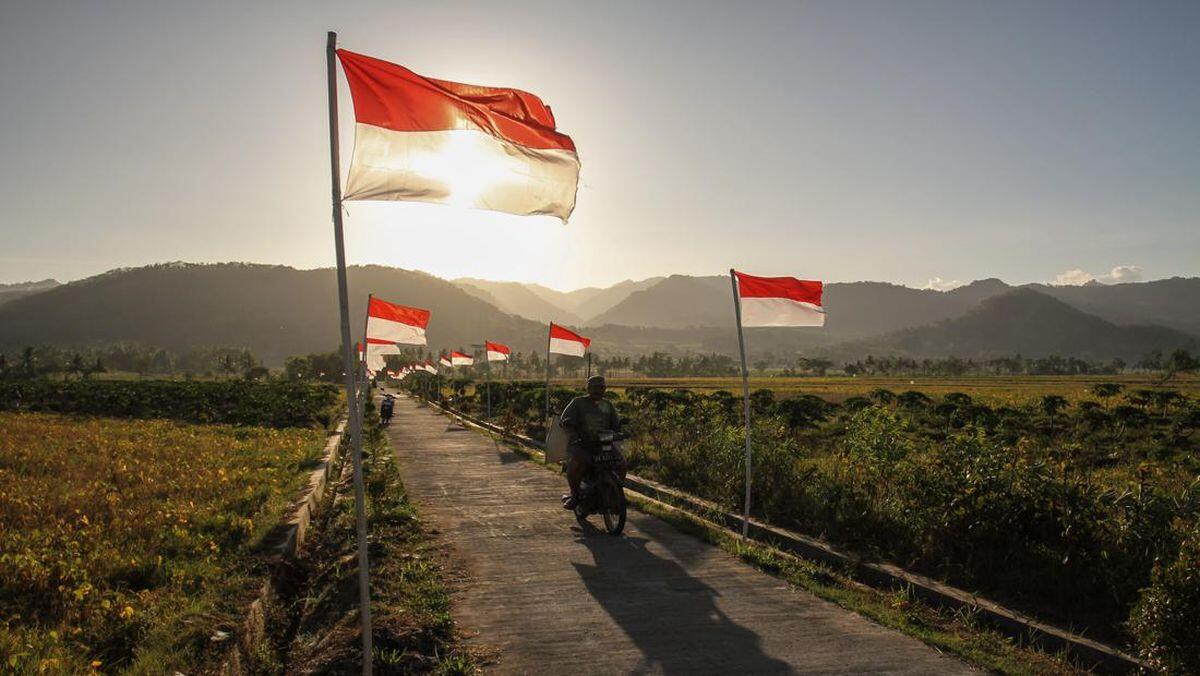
{"x": 496, "y": 351}
{"x": 443, "y": 360}
{"x": 396, "y": 323}
{"x": 565, "y": 341}
{"x": 460, "y": 359}
{"x": 429, "y": 140}
{"x": 780, "y": 301}
{"x": 428, "y": 367}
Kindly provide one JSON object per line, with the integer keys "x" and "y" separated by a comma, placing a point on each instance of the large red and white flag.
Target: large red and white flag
{"x": 565, "y": 341}
{"x": 496, "y": 351}
{"x": 443, "y": 360}
{"x": 459, "y": 359}
{"x": 429, "y": 140}
{"x": 780, "y": 301}
{"x": 396, "y": 323}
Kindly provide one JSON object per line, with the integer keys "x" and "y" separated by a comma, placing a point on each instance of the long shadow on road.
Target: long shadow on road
{"x": 634, "y": 586}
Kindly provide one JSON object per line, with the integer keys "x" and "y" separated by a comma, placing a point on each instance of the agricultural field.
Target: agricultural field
{"x": 1074, "y": 499}
{"x": 989, "y": 389}
{"x": 128, "y": 544}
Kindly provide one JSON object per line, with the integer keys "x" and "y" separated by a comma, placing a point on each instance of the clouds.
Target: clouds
{"x": 1118, "y": 275}
{"x": 939, "y": 284}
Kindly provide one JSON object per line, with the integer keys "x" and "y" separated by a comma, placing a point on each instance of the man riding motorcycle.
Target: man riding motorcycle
{"x": 583, "y": 419}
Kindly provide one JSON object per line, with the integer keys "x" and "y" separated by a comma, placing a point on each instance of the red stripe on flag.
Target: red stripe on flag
{"x": 559, "y": 332}
{"x": 496, "y": 347}
{"x": 805, "y": 291}
{"x": 412, "y": 316}
{"x": 393, "y": 97}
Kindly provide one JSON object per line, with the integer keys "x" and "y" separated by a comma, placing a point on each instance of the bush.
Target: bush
{"x": 237, "y": 402}
{"x": 1166, "y": 619}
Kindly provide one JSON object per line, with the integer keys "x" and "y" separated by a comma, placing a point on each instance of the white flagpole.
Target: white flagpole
{"x": 737, "y": 314}
{"x": 360, "y": 514}
{"x": 488, "y": 376}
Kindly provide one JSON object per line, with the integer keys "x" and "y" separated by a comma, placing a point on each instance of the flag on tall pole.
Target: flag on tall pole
{"x": 562, "y": 341}
{"x": 396, "y": 323}
{"x": 430, "y": 140}
{"x": 769, "y": 301}
{"x": 417, "y": 138}
{"x": 496, "y": 351}
{"x": 461, "y": 359}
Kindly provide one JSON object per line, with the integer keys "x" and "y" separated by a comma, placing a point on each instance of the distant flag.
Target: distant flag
{"x": 443, "y": 360}
{"x": 496, "y": 351}
{"x": 396, "y": 323}
{"x": 428, "y": 367}
{"x": 429, "y": 140}
{"x": 565, "y": 341}
{"x": 460, "y": 359}
{"x": 780, "y": 301}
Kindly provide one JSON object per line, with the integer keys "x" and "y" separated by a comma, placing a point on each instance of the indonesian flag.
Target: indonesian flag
{"x": 429, "y": 368}
{"x": 779, "y": 301}
{"x": 460, "y": 359}
{"x": 496, "y": 351}
{"x": 443, "y": 360}
{"x": 396, "y": 323}
{"x": 375, "y": 351}
{"x": 564, "y": 341}
{"x": 429, "y": 140}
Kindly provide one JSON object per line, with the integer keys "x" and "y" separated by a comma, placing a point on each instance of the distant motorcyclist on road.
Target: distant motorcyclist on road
{"x": 386, "y": 408}
{"x": 583, "y": 419}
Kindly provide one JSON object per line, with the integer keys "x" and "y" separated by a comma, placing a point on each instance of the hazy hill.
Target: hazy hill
{"x": 275, "y": 311}
{"x": 516, "y": 298}
{"x": 11, "y": 292}
{"x": 677, "y": 302}
{"x": 1027, "y": 322}
{"x": 1173, "y": 302}
{"x": 590, "y": 301}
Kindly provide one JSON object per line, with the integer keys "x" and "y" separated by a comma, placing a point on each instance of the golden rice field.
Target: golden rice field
{"x": 990, "y": 389}
{"x": 127, "y": 543}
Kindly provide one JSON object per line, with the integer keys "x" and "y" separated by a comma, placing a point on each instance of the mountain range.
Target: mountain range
{"x": 277, "y": 311}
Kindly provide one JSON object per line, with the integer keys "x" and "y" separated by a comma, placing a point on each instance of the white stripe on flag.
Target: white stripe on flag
{"x": 780, "y": 312}
{"x": 379, "y": 328}
{"x": 573, "y": 348}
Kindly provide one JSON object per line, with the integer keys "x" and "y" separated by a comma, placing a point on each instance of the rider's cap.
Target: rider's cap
{"x": 595, "y": 380}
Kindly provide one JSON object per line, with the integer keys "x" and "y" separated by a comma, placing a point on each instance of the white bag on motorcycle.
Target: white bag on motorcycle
{"x": 556, "y": 441}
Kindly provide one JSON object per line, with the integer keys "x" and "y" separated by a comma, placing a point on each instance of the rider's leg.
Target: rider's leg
{"x": 576, "y": 469}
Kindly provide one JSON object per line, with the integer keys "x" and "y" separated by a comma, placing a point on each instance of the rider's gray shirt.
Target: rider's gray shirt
{"x": 583, "y": 414}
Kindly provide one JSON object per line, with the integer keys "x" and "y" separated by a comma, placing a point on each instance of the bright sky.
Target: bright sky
{"x": 894, "y": 141}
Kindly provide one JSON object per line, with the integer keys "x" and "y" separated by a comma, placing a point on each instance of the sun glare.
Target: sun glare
{"x": 465, "y": 162}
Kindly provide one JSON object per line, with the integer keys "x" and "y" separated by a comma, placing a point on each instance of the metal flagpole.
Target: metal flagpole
{"x": 356, "y": 429}
{"x": 589, "y": 369}
{"x": 548, "y": 377}
{"x": 366, "y": 348}
{"x": 737, "y": 314}
{"x": 488, "y": 376}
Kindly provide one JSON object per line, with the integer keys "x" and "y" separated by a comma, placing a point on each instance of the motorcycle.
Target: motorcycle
{"x": 602, "y": 490}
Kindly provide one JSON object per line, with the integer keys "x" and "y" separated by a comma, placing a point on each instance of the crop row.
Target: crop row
{"x": 237, "y": 402}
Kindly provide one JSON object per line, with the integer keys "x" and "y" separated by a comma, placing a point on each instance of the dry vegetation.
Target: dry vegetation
{"x": 128, "y": 543}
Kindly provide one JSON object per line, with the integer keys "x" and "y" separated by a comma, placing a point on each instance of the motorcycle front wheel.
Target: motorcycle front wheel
{"x": 614, "y": 507}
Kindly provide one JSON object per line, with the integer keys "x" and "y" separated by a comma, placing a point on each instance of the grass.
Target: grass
{"x": 127, "y": 543}
{"x": 414, "y": 630}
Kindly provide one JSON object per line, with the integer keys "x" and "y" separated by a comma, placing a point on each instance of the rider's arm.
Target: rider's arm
{"x": 570, "y": 415}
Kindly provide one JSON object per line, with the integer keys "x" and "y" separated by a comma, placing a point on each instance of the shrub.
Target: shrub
{"x": 1166, "y": 619}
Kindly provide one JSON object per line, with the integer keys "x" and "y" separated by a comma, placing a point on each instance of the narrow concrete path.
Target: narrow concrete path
{"x": 552, "y": 598}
